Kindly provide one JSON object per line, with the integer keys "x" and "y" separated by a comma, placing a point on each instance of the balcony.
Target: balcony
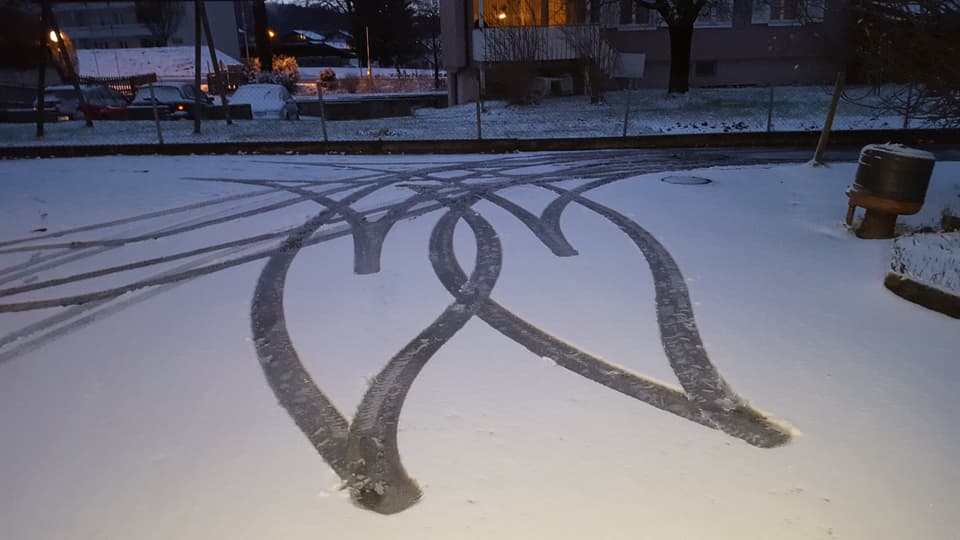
{"x": 534, "y": 43}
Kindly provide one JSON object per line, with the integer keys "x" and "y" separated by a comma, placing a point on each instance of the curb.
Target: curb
{"x": 913, "y": 137}
{"x": 923, "y": 295}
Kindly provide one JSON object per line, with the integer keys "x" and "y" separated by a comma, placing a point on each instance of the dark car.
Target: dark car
{"x": 175, "y": 99}
{"x": 103, "y": 102}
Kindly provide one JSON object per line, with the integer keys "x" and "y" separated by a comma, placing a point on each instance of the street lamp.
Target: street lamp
{"x": 271, "y": 33}
{"x": 53, "y": 36}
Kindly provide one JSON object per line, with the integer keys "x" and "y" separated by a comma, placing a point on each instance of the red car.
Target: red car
{"x": 103, "y": 102}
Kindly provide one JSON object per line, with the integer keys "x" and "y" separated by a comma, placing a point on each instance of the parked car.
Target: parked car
{"x": 267, "y": 101}
{"x": 175, "y": 99}
{"x": 103, "y": 102}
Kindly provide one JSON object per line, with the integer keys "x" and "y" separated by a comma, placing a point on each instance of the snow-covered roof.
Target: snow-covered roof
{"x": 166, "y": 62}
{"x": 312, "y": 36}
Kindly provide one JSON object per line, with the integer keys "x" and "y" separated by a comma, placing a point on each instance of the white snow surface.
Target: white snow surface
{"x": 156, "y": 422}
{"x": 930, "y": 258}
{"x": 169, "y": 63}
{"x": 900, "y": 150}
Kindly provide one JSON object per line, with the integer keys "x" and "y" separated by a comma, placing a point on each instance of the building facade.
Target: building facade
{"x": 735, "y": 42}
{"x": 115, "y": 25}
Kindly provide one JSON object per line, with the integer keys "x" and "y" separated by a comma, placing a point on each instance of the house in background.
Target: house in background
{"x": 115, "y": 25}
{"x": 313, "y": 48}
{"x": 738, "y": 42}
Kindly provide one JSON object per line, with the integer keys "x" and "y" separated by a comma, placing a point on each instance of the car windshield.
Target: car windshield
{"x": 164, "y": 94}
{"x": 64, "y": 95}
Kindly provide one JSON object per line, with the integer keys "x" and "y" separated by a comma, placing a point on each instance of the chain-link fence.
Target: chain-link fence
{"x": 413, "y": 105}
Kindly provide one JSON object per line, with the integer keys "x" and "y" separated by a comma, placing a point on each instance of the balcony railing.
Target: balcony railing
{"x": 534, "y": 43}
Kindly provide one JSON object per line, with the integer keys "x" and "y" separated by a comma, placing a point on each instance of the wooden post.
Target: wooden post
{"x": 196, "y": 66}
{"x": 323, "y": 114}
{"x": 825, "y": 134}
{"x": 216, "y": 64}
{"x": 156, "y": 115}
{"x": 42, "y": 75}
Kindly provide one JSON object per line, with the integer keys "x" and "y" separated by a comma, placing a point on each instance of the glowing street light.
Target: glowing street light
{"x": 501, "y": 15}
{"x": 53, "y": 36}
{"x": 271, "y": 33}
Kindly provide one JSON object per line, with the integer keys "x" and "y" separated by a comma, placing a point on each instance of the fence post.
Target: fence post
{"x": 323, "y": 114}
{"x": 770, "y": 112}
{"x": 479, "y": 107}
{"x": 825, "y": 134}
{"x": 626, "y": 110}
{"x": 906, "y": 110}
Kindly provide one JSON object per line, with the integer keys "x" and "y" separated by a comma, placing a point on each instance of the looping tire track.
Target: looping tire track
{"x": 364, "y": 451}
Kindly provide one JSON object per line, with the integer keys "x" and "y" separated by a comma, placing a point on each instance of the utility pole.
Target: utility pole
{"x": 219, "y": 76}
{"x": 196, "y": 66}
{"x": 42, "y": 75}
{"x": 65, "y": 57}
{"x": 260, "y": 33}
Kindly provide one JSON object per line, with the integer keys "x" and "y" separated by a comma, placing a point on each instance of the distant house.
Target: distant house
{"x": 739, "y": 42}
{"x": 313, "y": 48}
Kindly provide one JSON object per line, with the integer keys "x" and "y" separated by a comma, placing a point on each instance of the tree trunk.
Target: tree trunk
{"x": 681, "y": 38}
{"x": 261, "y": 36}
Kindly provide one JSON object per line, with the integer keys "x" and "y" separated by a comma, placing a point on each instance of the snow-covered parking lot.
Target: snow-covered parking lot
{"x": 554, "y": 345}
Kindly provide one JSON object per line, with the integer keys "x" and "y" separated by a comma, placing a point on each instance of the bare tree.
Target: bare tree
{"x": 599, "y": 57}
{"x": 427, "y": 20}
{"x": 162, "y": 18}
{"x": 913, "y": 44}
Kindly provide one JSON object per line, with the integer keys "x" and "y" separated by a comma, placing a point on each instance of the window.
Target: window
{"x": 716, "y": 14}
{"x": 787, "y": 12}
{"x": 631, "y": 13}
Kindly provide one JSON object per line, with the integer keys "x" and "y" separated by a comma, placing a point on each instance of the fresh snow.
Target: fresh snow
{"x": 899, "y": 150}
{"x": 169, "y": 63}
{"x": 154, "y": 420}
{"x": 929, "y": 258}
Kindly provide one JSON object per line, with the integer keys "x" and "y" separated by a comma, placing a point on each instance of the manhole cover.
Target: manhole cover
{"x": 686, "y": 180}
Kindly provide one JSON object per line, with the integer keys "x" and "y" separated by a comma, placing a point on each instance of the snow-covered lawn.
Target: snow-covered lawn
{"x": 653, "y": 112}
{"x": 163, "y": 405}
{"x": 169, "y": 63}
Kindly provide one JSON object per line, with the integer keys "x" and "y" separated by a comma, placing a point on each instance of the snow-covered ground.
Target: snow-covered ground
{"x": 715, "y": 110}
{"x": 929, "y": 258}
{"x": 169, "y": 63}
{"x": 151, "y": 410}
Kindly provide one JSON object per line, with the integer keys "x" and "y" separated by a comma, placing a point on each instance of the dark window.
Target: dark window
{"x": 705, "y": 68}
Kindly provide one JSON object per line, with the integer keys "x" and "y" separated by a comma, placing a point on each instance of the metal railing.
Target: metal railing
{"x": 532, "y": 43}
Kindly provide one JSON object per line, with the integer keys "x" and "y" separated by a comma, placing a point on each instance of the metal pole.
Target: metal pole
{"x": 156, "y": 115}
{"x": 42, "y": 75}
{"x": 196, "y": 66}
{"x": 825, "y": 134}
{"x": 323, "y": 114}
{"x": 368, "y": 52}
{"x": 479, "y": 106}
{"x": 770, "y": 112}
{"x": 216, "y": 64}
{"x": 626, "y": 110}
{"x": 906, "y": 111}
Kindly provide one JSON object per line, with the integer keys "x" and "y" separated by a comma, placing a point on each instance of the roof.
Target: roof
{"x": 166, "y": 62}
{"x": 312, "y": 36}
